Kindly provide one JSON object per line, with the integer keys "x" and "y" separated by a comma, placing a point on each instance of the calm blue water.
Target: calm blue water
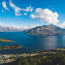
{"x": 32, "y": 43}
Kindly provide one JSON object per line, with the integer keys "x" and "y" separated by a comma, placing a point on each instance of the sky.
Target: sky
{"x": 31, "y": 13}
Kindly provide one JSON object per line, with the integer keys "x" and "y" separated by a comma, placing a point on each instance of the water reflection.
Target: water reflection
{"x": 49, "y": 42}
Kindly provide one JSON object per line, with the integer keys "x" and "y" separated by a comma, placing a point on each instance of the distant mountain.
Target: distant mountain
{"x": 46, "y": 30}
{"x": 9, "y": 29}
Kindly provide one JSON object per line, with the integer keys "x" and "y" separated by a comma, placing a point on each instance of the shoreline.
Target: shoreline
{"x": 5, "y": 40}
{"x": 7, "y": 47}
{"x": 13, "y": 57}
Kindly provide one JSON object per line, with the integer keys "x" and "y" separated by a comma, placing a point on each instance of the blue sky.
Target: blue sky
{"x": 30, "y": 13}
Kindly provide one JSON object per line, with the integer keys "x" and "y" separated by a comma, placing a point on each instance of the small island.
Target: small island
{"x": 6, "y": 47}
{"x": 5, "y": 40}
{"x": 10, "y": 47}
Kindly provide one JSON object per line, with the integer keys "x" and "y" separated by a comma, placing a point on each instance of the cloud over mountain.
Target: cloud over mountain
{"x": 45, "y": 15}
{"x": 62, "y": 25}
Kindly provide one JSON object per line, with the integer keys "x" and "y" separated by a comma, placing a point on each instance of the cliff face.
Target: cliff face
{"x": 46, "y": 30}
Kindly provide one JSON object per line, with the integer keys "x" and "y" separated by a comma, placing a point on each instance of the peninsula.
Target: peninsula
{"x": 10, "y": 47}
{"x": 5, "y": 40}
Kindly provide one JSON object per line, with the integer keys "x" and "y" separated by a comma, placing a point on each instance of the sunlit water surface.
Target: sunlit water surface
{"x": 31, "y": 43}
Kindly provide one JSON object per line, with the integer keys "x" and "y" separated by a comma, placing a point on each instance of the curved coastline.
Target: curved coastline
{"x": 6, "y": 47}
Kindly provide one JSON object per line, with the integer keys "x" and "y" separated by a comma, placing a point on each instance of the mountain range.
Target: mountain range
{"x": 46, "y": 30}
{"x": 9, "y": 29}
{"x": 39, "y": 30}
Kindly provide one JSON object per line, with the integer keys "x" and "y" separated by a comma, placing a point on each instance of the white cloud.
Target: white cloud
{"x": 45, "y": 15}
{"x": 33, "y": 16}
{"x": 16, "y": 8}
{"x": 31, "y": 26}
{"x": 4, "y": 5}
{"x": 25, "y": 13}
{"x": 62, "y": 25}
{"x": 28, "y": 9}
